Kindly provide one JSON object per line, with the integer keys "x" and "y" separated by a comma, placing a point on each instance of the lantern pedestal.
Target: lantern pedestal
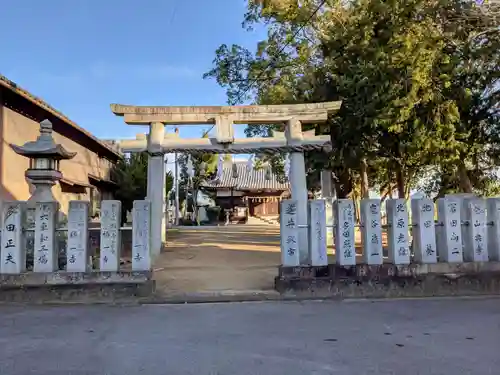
{"x": 43, "y": 180}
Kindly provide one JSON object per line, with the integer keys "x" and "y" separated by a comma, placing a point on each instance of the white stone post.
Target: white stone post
{"x": 371, "y": 230}
{"x": 110, "y": 235}
{"x": 327, "y": 192}
{"x": 289, "y": 233}
{"x": 141, "y": 238}
{"x": 397, "y": 231}
{"x": 45, "y": 257}
{"x": 493, "y": 219}
{"x": 77, "y": 243}
{"x": 330, "y": 222}
{"x": 423, "y": 231}
{"x": 317, "y": 232}
{"x": 345, "y": 250}
{"x": 156, "y": 179}
{"x": 13, "y": 253}
{"x": 450, "y": 232}
{"x": 474, "y": 230}
{"x": 298, "y": 187}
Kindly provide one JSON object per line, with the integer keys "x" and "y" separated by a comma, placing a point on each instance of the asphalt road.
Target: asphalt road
{"x": 397, "y": 337}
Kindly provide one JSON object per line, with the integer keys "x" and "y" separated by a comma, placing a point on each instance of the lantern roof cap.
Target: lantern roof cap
{"x": 44, "y": 146}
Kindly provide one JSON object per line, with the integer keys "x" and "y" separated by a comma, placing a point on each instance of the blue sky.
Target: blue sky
{"x": 82, "y": 55}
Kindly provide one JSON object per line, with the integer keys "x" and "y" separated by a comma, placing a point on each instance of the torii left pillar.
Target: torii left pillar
{"x": 156, "y": 185}
{"x": 298, "y": 187}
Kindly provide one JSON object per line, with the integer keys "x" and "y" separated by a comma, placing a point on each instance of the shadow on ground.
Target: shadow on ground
{"x": 220, "y": 259}
{"x": 216, "y": 259}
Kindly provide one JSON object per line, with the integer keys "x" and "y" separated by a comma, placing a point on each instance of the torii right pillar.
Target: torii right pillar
{"x": 298, "y": 185}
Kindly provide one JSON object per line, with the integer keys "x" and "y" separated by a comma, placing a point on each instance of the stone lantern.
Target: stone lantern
{"x": 44, "y": 155}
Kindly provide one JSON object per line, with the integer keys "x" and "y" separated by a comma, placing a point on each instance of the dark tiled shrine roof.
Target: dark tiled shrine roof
{"x": 253, "y": 179}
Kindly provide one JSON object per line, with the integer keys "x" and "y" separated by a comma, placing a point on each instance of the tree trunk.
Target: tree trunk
{"x": 343, "y": 184}
{"x": 386, "y": 189}
{"x": 386, "y": 192}
{"x": 465, "y": 183}
{"x": 365, "y": 188}
{"x": 357, "y": 208}
{"x": 400, "y": 181}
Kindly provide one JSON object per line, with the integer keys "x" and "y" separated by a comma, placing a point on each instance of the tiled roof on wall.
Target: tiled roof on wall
{"x": 248, "y": 179}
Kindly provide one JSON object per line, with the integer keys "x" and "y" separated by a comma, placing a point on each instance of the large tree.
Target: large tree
{"x": 406, "y": 71}
{"x": 131, "y": 176}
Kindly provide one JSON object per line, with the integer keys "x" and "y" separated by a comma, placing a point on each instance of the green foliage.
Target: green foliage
{"x": 131, "y": 176}
{"x": 418, "y": 80}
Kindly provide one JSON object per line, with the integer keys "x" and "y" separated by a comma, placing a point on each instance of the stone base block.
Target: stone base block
{"x": 387, "y": 280}
{"x": 76, "y": 287}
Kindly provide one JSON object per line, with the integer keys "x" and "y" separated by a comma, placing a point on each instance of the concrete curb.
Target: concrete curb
{"x": 214, "y": 297}
{"x": 241, "y": 297}
{"x": 202, "y": 298}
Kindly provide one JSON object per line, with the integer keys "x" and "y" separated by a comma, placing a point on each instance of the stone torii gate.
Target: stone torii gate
{"x": 293, "y": 141}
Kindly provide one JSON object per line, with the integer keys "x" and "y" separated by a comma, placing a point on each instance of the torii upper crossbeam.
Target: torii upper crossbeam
{"x": 293, "y": 140}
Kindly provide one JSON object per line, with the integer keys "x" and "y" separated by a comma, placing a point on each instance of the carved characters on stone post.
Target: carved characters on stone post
{"x": 329, "y": 208}
{"x": 423, "y": 231}
{"x": 371, "y": 231}
{"x": 141, "y": 236}
{"x": 77, "y": 249}
{"x": 493, "y": 231}
{"x": 474, "y": 230}
{"x": 317, "y": 232}
{"x": 397, "y": 231}
{"x": 450, "y": 232}
{"x": 110, "y": 235}
{"x": 289, "y": 233}
{"x": 45, "y": 254}
{"x": 345, "y": 251}
{"x": 13, "y": 255}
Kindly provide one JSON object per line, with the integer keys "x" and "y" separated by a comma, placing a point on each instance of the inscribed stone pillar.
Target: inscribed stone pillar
{"x": 156, "y": 184}
{"x": 317, "y": 232}
{"x": 327, "y": 192}
{"x": 110, "y": 235}
{"x": 345, "y": 251}
{"x": 45, "y": 253}
{"x": 329, "y": 204}
{"x": 397, "y": 231}
{"x": 326, "y": 184}
{"x": 474, "y": 230}
{"x": 298, "y": 187}
{"x": 13, "y": 253}
{"x": 371, "y": 229}
{"x": 423, "y": 232}
{"x": 289, "y": 233}
{"x": 141, "y": 239}
{"x": 76, "y": 245}
{"x": 449, "y": 233}
{"x": 493, "y": 231}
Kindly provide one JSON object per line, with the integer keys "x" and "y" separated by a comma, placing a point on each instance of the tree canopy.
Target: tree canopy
{"x": 418, "y": 81}
{"x": 131, "y": 176}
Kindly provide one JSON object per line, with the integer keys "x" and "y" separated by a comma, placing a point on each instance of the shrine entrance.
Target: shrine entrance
{"x": 221, "y": 253}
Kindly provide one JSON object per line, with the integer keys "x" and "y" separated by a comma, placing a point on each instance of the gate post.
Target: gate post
{"x": 156, "y": 178}
{"x": 298, "y": 187}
